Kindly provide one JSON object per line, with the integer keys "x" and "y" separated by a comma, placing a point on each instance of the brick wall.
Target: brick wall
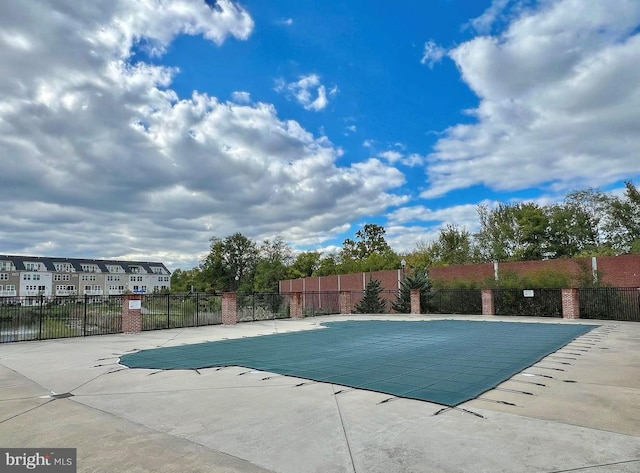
{"x": 617, "y": 271}
{"x": 620, "y": 271}
{"x": 465, "y": 272}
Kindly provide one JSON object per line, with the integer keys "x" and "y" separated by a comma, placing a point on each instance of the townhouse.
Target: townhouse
{"x": 28, "y": 276}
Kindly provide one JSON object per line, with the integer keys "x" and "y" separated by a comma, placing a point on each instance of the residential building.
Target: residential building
{"x": 28, "y": 276}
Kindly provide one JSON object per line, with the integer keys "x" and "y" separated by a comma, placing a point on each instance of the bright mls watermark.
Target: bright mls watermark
{"x": 52, "y": 460}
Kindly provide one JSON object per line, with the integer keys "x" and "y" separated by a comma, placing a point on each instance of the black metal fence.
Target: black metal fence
{"x": 262, "y": 306}
{"x": 456, "y": 301}
{"x": 162, "y": 311}
{"x": 42, "y": 317}
{"x": 442, "y": 301}
{"x": 610, "y": 303}
{"x": 321, "y": 303}
{"x": 532, "y": 302}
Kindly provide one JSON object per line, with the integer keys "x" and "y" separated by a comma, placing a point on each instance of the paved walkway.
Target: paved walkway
{"x": 577, "y": 410}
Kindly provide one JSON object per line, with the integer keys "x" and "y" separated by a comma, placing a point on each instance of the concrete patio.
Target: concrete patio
{"x": 577, "y": 410}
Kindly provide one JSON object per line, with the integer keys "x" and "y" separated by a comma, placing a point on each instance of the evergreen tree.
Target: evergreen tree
{"x": 418, "y": 280}
{"x": 371, "y": 302}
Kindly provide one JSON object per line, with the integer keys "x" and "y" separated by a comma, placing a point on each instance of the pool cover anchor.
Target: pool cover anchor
{"x": 461, "y": 409}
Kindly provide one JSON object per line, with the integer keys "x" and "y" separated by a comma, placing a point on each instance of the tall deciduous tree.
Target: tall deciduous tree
{"x": 231, "y": 263}
{"x": 305, "y": 264}
{"x": 499, "y": 236}
{"x": 368, "y": 252}
{"x": 624, "y": 225}
{"x": 275, "y": 256}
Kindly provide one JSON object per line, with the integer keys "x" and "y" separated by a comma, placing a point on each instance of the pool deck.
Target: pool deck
{"x": 576, "y": 410}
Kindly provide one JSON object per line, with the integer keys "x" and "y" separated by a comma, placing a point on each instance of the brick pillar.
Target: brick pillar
{"x": 132, "y": 313}
{"x": 488, "y": 305}
{"x": 345, "y": 302}
{"x": 570, "y": 304}
{"x": 295, "y": 299}
{"x": 229, "y": 308}
{"x": 415, "y": 301}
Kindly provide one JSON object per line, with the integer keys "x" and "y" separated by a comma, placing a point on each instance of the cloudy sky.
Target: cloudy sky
{"x": 141, "y": 128}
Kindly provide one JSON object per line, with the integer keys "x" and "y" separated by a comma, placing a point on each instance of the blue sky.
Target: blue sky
{"x": 140, "y": 130}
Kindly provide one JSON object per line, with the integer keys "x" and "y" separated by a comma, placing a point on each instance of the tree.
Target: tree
{"x": 512, "y": 232}
{"x": 418, "y": 280}
{"x": 184, "y": 281}
{"x": 454, "y": 246}
{"x": 369, "y": 240}
{"x": 231, "y": 263}
{"x": 328, "y": 265}
{"x": 498, "y": 236}
{"x": 624, "y": 226}
{"x": 572, "y": 231}
{"x": 274, "y": 258}
{"x": 368, "y": 252}
{"x": 305, "y": 264}
{"x": 371, "y": 302}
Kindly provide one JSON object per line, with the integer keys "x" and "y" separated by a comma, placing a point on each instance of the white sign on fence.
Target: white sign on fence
{"x": 135, "y": 304}
{"x": 527, "y": 293}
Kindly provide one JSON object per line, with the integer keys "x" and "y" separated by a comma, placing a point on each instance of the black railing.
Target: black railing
{"x": 532, "y": 302}
{"x": 321, "y": 303}
{"x": 456, "y": 301}
{"x": 262, "y": 306}
{"x": 610, "y": 303}
{"x": 44, "y": 317}
{"x": 162, "y": 311}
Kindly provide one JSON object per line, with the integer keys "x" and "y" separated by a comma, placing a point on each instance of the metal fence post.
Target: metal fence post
{"x": 84, "y": 324}
{"x": 41, "y": 314}
{"x": 197, "y": 309}
{"x": 168, "y": 312}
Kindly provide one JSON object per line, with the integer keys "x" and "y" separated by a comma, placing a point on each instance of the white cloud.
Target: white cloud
{"x": 350, "y": 129}
{"x": 432, "y": 54}
{"x": 396, "y": 157}
{"x": 559, "y": 104}
{"x": 485, "y": 22}
{"x": 463, "y": 215}
{"x": 308, "y": 91}
{"x": 102, "y": 159}
{"x": 241, "y": 97}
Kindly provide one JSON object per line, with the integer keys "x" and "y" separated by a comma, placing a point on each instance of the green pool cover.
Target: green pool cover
{"x": 443, "y": 361}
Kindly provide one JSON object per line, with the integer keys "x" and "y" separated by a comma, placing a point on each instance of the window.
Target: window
{"x": 6, "y": 266}
{"x": 4, "y": 276}
{"x": 96, "y": 288}
{"x": 26, "y": 277}
{"x": 30, "y": 266}
{"x": 41, "y": 288}
{"x": 36, "y": 277}
{"x": 63, "y": 267}
{"x": 10, "y": 287}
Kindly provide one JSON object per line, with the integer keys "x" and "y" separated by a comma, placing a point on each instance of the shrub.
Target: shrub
{"x": 371, "y": 302}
